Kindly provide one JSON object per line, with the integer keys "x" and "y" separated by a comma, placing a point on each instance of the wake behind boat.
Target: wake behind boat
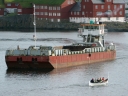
{"x": 98, "y": 82}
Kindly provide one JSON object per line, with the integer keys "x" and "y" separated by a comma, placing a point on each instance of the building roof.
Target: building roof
{"x": 76, "y": 7}
{"x": 98, "y": 1}
{"x": 102, "y": 1}
{"x": 118, "y": 1}
{"x": 126, "y": 1}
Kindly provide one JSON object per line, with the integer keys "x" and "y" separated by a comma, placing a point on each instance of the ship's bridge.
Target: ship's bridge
{"x": 94, "y": 29}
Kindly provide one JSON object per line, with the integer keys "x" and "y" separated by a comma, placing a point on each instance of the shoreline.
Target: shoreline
{"x": 25, "y": 23}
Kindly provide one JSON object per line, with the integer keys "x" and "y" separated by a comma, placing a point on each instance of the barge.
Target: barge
{"x": 92, "y": 49}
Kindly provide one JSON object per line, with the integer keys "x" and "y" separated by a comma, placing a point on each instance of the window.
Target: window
{"x": 45, "y": 7}
{"x": 82, "y": 13}
{"x": 84, "y": 7}
{"x": 77, "y": 13}
{"x": 58, "y": 20}
{"x": 8, "y": 4}
{"x": 41, "y": 7}
{"x": 102, "y": 7}
{"x": 54, "y": 14}
{"x": 54, "y": 8}
{"x": 50, "y": 14}
{"x": 115, "y": 13}
{"x": 85, "y": 0}
{"x": 37, "y": 7}
{"x": 74, "y": 13}
{"x": 37, "y": 13}
{"x": 114, "y": 6}
{"x": 96, "y": 6}
{"x": 98, "y": 13}
{"x": 19, "y": 10}
{"x": 109, "y": 12}
{"x": 52, "y": 20}
{"x": 16, "y": 4}
{"x": 58, "y": 14}
{"x": 41, "y": 13}
{"x": 121, "y": 6}
{"x": 58, "y": 8}
{"x": 71, "y": 13}
{"x": 46, "y": 13}
{"x": 108, "y": 6}
{"x": 50, "y": 8}
{"x": 108, "y": 0}
{"x": 120, "y": 12}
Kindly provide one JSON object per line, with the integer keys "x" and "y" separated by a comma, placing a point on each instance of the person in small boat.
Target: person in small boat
{"x": 102, "y": 78}
{"x": 95, "y": 81}
{"x": 92, "y": 81}
{"x": 106, "y": 79}
{"x": 98, "y": 80}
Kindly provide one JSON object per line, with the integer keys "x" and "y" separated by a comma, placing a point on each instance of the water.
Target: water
{"x": 71, "y": 81}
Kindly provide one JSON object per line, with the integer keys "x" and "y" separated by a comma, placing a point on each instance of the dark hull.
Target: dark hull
{"x": 49, "y": 62}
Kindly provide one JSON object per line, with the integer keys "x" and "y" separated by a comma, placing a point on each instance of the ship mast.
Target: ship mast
{"x": 34, "y": 23}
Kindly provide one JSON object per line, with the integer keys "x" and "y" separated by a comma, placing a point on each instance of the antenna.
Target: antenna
{"x": 34, "y": 23}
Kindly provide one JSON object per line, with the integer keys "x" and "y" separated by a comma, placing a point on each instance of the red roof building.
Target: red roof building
{"x": 15, "y": 8}
{"x": 55, "y": 13}
{"x": 9, "y": 8}
{"x": 98, "y": 10}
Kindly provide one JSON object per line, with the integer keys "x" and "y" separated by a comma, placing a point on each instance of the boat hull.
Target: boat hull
{"x": 44, "y": 62}
{"x": 98, "y": 84}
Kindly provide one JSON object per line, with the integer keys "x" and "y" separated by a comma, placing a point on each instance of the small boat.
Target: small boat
{"x": 98, "y": 83}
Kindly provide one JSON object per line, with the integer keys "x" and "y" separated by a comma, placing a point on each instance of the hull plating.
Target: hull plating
{"x": 46, "y": 62}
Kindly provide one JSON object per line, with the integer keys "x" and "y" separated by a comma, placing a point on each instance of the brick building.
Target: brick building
{"x": 98, "y": 10}
{"x": 84, "y": 11}
{"x": 56, "y": 12}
